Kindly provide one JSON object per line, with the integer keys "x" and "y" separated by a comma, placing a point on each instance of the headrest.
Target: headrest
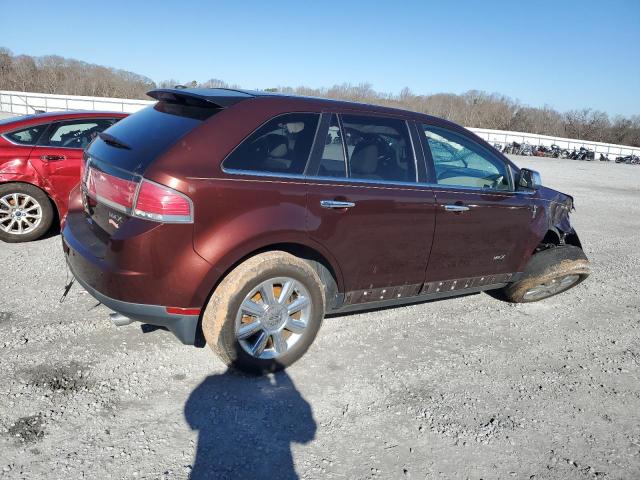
{"x": 364, "y": 159}
{"x": 277, "y": 145}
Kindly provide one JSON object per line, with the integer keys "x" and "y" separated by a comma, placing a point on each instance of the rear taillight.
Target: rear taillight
{"x": 137, "y": 197}
{"x": 116, "y": 192}
{"x": 162, "y": 204}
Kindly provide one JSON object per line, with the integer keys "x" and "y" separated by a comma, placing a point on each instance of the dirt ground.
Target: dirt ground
{"x": 461, "y": 388}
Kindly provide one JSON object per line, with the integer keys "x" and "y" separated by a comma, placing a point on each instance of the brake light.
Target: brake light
{"x": 138, "y": 197}
{"x": 118, "y": 193}
{"x": 162, "y": 204}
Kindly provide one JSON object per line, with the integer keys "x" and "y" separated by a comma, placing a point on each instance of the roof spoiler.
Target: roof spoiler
{"x": 202, "y": 97}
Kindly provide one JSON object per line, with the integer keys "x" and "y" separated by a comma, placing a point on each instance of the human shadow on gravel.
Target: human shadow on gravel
{"x": 247, "y": 425}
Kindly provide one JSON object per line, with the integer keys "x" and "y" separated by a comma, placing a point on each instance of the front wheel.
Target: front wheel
{"x": 548, "y": 273}
{"x": 265, "y": 313}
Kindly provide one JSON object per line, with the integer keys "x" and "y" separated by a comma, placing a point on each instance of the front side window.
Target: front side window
{"x": 26, "y": 136}
{"x": 76, "y": 134}
{"x": 460, "y": 162}
{"x": 378, "y": 148}
{"x": 282, "y": 145}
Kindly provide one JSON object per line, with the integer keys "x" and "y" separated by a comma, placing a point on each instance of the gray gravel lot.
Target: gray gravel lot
{"x": 463, "y": 388}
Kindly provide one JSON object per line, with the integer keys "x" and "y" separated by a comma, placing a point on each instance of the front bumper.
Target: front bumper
{"x": 184, "y": 327}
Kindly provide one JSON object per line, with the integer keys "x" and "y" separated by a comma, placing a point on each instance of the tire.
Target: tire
{"x": 224, "y": 322}
{"x": 35, "y": 202}
{"x": 548, "y": 273}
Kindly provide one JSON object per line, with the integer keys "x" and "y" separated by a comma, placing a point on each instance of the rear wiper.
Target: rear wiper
{"x": 113, "y": 141}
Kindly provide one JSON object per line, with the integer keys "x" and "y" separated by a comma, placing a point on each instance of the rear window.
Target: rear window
{"x": 282, "y": 145}
{"x": 142, "y": 137}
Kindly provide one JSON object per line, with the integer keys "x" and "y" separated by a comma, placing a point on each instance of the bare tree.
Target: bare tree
{"x": 54, "y": 74}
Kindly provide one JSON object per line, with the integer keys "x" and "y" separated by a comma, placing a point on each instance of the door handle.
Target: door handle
{"x": 336, "y": 204}
{"x": 52, "y": 158}
{"x": 456, "y": 208}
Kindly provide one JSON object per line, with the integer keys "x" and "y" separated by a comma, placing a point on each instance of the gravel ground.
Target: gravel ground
{"x": 461, "y": 388}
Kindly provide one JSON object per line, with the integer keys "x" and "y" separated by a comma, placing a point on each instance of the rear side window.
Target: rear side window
{"x": 378, "y": 149}
{"x": 77, "y": 133}
{"x": 26, "y": 136}
{"x": 282, "y": 145}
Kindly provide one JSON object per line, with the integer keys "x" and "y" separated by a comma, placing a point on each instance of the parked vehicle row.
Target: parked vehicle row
{"x": 555, "y": 151}
{"x": 239, "y": 219}
{"x": 629, "y": 159}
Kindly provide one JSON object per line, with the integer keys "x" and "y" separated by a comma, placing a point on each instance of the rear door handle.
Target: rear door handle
{"x": 52, "y": 158}
{"x": 456, "y": 208}
{"x": 336, "y": 204}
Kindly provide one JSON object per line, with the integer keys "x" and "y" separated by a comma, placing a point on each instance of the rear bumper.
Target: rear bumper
{"x": 109, "y": 284}
{"x": 184, "y": 327}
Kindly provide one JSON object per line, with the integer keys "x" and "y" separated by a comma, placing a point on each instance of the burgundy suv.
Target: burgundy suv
{"x": 242, "y": 218}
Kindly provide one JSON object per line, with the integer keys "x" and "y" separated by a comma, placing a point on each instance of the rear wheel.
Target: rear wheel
{"x": 25, "y": 212}
{"x": 266, "y": 313}
{"x": 548, "y": 273}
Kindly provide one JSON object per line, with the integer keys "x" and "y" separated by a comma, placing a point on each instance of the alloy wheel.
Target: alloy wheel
{"x": 20, "y": 213}
{"x": 552, "y": 287}
{"x": 273, "y": 317}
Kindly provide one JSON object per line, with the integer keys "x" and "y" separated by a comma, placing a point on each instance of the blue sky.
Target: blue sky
{"x": 567, "y": 54}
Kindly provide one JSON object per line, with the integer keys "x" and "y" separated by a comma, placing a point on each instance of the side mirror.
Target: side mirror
{"x": 529, "y": 179}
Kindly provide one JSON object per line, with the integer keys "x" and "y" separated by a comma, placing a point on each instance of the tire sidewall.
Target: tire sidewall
{"x": 543, "y": 268}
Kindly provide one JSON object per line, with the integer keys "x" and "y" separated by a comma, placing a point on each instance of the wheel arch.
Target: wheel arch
{"x": 557, "y": 237}
{"x": 327, "y": 270}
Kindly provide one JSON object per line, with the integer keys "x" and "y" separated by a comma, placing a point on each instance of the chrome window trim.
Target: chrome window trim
{"x": 387, "y": 183}
{"x": 258, "y": 173}
{"x": 413, "y": 150}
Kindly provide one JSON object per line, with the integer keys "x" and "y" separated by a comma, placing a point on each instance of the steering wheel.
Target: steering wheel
{"x": 386, "y": 154}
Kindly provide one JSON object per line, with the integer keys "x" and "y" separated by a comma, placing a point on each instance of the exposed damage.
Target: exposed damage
{"x": 559, "y": 229}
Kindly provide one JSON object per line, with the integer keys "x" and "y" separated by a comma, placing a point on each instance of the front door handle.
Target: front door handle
{"x": 52, "y": 158}
{"x": 456, "y": 208}
{"x": 336, "y": 204}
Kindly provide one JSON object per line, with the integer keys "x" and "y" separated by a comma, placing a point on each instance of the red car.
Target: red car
{"x": 241, "y": 218}
{"x": 40, "y": 158}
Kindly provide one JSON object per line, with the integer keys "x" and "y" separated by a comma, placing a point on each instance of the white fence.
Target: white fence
{"x": 503, "y": 137}
{"x": 21, "y": 103}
